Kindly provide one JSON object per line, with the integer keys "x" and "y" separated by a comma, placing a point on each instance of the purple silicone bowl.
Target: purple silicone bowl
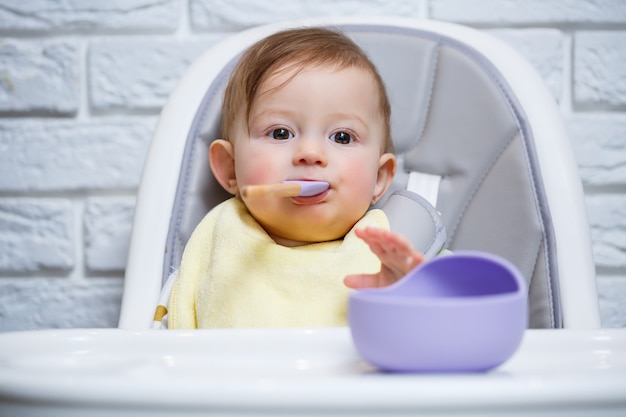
{"x": 464, "y": 312}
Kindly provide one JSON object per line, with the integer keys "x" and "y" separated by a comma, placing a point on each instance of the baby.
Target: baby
{"x": 304, "y": 105}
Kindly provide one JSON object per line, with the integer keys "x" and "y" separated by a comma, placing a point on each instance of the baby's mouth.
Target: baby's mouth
{"x": 310, "y": 188}
{"x": 313, "y": 191}
{"x": 313, "y": 199}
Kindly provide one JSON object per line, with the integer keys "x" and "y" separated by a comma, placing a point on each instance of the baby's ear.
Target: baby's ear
{"x": 386, "y": 171}
{"x": 222, "y": 161}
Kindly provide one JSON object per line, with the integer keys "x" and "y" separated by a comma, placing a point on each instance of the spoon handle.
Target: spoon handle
{"x": 286, "y": 189}
{"x": 271, "y": 190}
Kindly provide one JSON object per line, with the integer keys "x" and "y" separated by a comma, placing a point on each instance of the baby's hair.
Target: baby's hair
{"x": 295, "y": 49}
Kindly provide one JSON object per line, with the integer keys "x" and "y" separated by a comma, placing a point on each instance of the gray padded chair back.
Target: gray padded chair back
{"x": 454, "y": 118}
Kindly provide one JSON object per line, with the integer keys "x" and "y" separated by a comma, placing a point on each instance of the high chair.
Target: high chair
{"x": 476, "y": 132}
{"x": 484, "y": 164}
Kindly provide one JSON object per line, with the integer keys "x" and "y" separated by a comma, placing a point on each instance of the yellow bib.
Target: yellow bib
{"x": 233, "y": 274}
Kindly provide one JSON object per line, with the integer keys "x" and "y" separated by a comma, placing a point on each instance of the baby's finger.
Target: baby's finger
{"x": 358, "y": 281}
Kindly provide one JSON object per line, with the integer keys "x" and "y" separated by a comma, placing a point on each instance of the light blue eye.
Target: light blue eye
{"x": 281, "y": 134}
{"x": 341, "y": 137}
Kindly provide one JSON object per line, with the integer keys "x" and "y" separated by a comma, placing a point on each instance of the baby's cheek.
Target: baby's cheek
{"x": 361, "y": 183}
{"x": 256, "y": 170}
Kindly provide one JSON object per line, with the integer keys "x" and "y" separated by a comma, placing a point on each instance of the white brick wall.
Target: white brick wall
{"x": 82, "y": 83}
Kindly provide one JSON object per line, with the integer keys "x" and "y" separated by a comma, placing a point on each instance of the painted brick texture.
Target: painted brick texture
{"x": 138, "y": 74}
{"x": 82, "y": 84}
{"x": 107, "y": 228}
{"x": 37, "y": 235}
{"x": 529, "y": 12}
{"x": 39, "y": 77}
{"x": 65, "y": 154}
{"x": 600, "y": 69}
{"x": 89, "y": 16}
{"x": 211, "y": 15}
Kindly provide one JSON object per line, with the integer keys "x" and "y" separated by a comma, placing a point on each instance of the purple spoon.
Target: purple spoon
{"x": 289, "y": 188}
{"x": 309, "y": 188}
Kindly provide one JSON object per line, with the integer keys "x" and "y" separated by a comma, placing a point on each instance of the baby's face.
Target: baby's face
{"x": 325, "y": 125}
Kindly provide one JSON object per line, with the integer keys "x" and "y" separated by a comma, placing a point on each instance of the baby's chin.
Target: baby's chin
{"x": 301, "y": 239}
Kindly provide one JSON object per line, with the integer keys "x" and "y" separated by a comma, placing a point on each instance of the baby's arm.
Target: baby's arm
{"x": 396, "y": 255}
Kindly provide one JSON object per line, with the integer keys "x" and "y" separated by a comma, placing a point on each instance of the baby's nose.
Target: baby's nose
{"x": 310, "y": 151}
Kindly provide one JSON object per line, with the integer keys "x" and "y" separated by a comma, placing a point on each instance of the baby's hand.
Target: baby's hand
{"x": 396, "y": 255}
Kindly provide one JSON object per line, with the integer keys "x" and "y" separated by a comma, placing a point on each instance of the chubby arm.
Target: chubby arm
{"x": 396, "y": 255}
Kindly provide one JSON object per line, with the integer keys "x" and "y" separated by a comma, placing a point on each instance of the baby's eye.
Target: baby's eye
{"x": 341, "y": 137}
{"x": 281, "y": 134}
